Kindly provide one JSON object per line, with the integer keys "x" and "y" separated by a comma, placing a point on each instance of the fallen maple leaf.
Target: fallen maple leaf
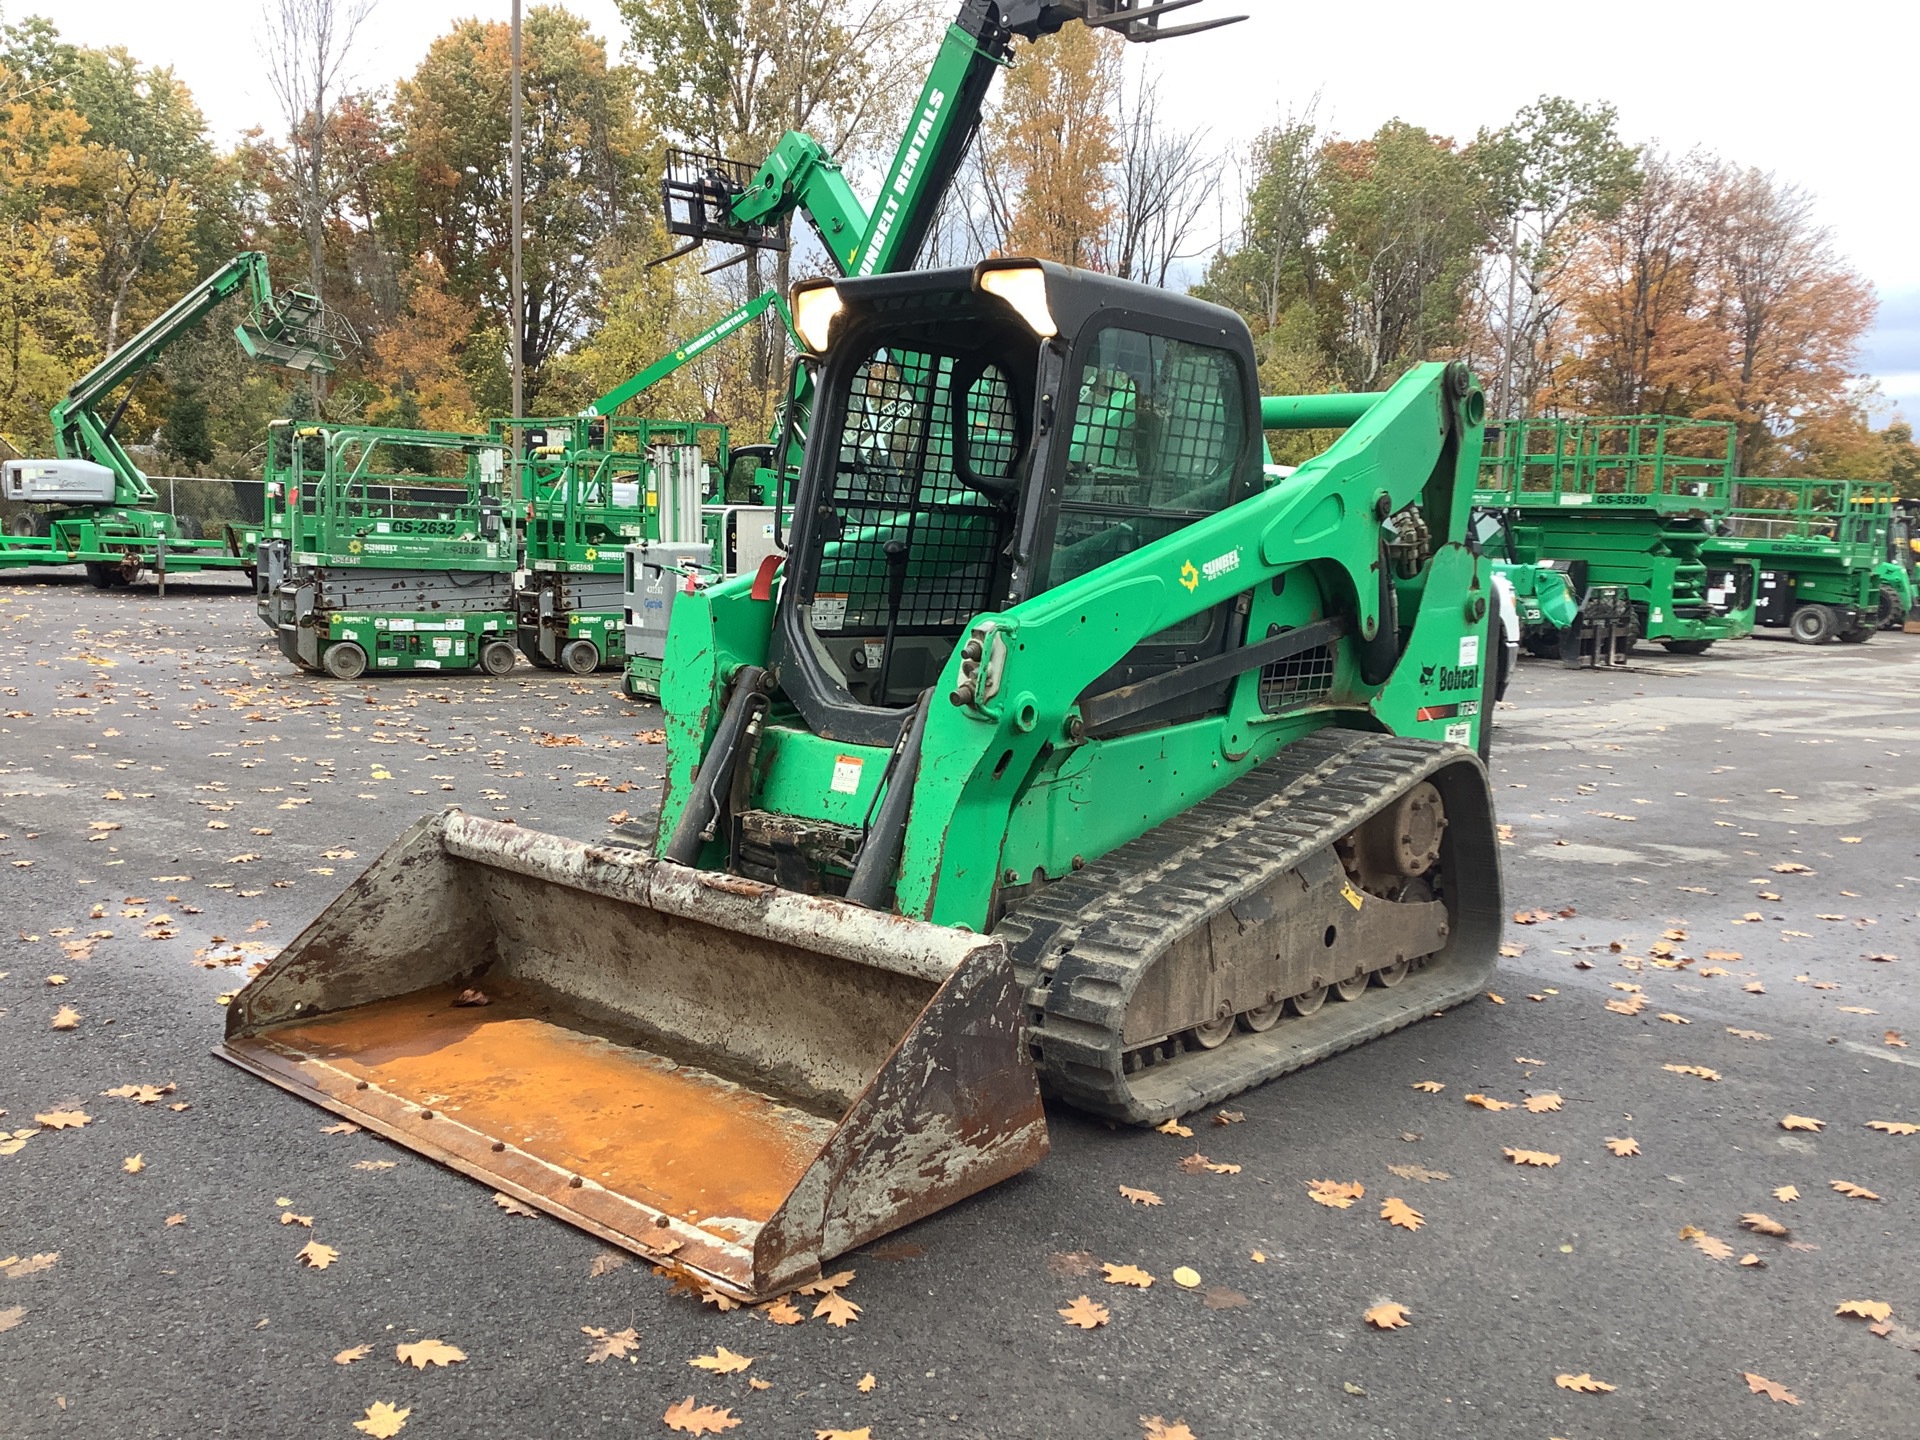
{"x": 1895, "y": 1039}
{"x": 1773, "y": 1390}
{"x": 140, "y": 1094}
{"x": 1801, "y": 1122}
{"x": 705, "y": 1420}
{"x": 11, "y": 1317}
{"x": 1786, "y": 1193}
{"x": 1700, "y": 1071}
{"x": 374, "y": 1164}
{"x": 1085, "y": 1314}
{"x": 513, "y": 1206}
{"x": 66, "y": 1018}
{"x": 836, "y": 1309}
{"x": 867, "y": 1382}
{"x": 1139, "y": 1197}
{"x": 316, "y": 1256}
{"x": 1128, "y": 1275}
{"x": 1894, "y": 1127}
{"x": 1672, "y": 1019}
{"x": 1387, "y": 1315}
{"x": 64, "y": 1119}
{"x": 1530, "y": 1157}
{"x": 1853, "y": 1191}
{"x": 345, "y": 1127}
{"x": 1172, "y": 1126}
{"x": 783, "y": 1312}
{"x": 134, "y": 1164}
{"x": 1620, "y": 1145}
{"x": 722, "y": 1362}
{"x": 1228, "y": 1117}
{"x": 1865, "y": 1309}
{"x": 1748, "y": 1034}
{"x": 865, "y": 1432}
{"x": 383, "y": 1421}
{"x": 1540, "y": 1104}
{"x": 1335, "y": 1194}
{"x": 1153, "y": 1427}
{"x": 1496, "y": 999}
{"x": 1418, "y": 1172}
{"x": 358, "y": 1352}
{"x": 1397, "y": 1212}
{"x": 176, "y": 1219}
{"x": 287, "y": 1217}
{"x": 15, "y": 1269}
{"x": 826, "y": 1284}
{"x": 1486, "y": 1103}
{"x": 1792, "y": 867}
{"x": 609, "y": 1345}
{"x": 1711, "y": 1246}
{"x": 1430, "y": 1087}
{"x": 1582, "y": 1383}
{"x": 422, "y": 1353}
{"x": 1753, "y": 1262}
{"x": 1763, "y": 1224}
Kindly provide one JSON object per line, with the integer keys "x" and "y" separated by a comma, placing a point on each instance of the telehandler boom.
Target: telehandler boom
{"x": 1071, "y": 748}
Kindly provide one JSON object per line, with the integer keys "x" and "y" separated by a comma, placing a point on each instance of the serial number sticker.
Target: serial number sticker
{"x": 1469, "y": 649}
{"x": 830, "y": 612}
{"x": 1576, "y": 499}
{"x": 1461, "y": 734}
{"x": 1350, "y": 895}
{"x": 876, "y": 652}
{"x": 846, "y": 774}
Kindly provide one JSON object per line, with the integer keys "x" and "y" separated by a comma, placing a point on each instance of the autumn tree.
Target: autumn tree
{"x": 1791, "y": 316}
{"x": 418, "y": 364}
{"x": 586, "y": 169}
{"x": 1054, "y": 138}
{"x": 1545, "y": 177}
{"x": 1402, "y": 239}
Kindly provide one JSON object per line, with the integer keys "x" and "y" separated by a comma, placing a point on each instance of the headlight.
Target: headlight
{"x": 1024, "y": 287}
{"x": 814, "y": 309}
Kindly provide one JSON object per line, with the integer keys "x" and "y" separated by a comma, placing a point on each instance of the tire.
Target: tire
{"x": 344, "y": 660}
{"x": 580, "y": 657}
{"x": 1858, "y": 635}
{"x": 1891, "y": 616}
{"x": 1814, "y": 624}
{"x": 497, "y": 657}
{"x": 100, "y": 574}
{"x": 1489, "y": 687}
{"x": 188, "y": 527}
{"x": 1687, "y": 647}
{"x": 26, "y": 525}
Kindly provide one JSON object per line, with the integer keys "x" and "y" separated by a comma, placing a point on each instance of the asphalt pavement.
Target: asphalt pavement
{"x": 1717, "y": 857}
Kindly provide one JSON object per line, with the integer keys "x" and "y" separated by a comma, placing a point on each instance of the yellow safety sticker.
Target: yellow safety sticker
{"x": 1351, "y": 895}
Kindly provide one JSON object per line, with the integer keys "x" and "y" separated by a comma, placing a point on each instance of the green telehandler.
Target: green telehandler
{"x": 1069, "y": 746}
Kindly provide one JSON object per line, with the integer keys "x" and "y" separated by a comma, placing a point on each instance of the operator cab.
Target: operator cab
{"x": 983, "y": 436}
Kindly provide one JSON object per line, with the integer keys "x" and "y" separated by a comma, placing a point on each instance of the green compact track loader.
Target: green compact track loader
{"x": 1069, "y": 749}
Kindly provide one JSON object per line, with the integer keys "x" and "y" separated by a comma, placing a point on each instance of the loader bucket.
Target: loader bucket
{"x": 733, "y": 1079}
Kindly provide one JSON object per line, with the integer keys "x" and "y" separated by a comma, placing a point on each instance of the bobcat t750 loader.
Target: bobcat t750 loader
{"x": 1071, "y": 750}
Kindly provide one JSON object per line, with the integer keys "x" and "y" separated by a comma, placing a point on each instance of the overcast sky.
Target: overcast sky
{"x": 1823, "y": 96}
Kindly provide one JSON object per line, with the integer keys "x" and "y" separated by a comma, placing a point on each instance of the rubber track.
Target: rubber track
{"x": 1081, "y": 945}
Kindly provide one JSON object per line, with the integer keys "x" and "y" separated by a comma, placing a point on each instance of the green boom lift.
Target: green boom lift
{"x": 1072, "y": 747}
{"x": 1626, "y": 506}
{"x": 91, "y": 505}
{"x": 1824, "y": 556}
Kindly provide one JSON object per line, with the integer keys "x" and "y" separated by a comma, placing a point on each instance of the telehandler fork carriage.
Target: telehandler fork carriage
{"x": 1074, "y": 747}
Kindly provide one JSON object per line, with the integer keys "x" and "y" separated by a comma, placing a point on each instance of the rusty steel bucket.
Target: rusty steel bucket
{"x": 721, "y": 1075}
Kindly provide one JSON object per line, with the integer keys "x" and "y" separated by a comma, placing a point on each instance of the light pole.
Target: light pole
{"x": 518, "y": 282}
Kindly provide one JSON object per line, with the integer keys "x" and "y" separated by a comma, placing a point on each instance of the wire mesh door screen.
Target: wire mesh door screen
{"x": 906, "y": 474}
{"x": 1157, "y": 438}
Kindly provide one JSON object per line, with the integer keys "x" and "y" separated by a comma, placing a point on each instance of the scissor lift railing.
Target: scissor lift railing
{"x": 1656, "y": 462}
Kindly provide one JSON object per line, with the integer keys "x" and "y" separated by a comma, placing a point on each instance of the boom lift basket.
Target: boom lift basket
{"x": 734, "y": 1080}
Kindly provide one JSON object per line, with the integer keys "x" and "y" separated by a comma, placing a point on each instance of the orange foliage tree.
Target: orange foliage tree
{"x": 1055, "y": 143}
